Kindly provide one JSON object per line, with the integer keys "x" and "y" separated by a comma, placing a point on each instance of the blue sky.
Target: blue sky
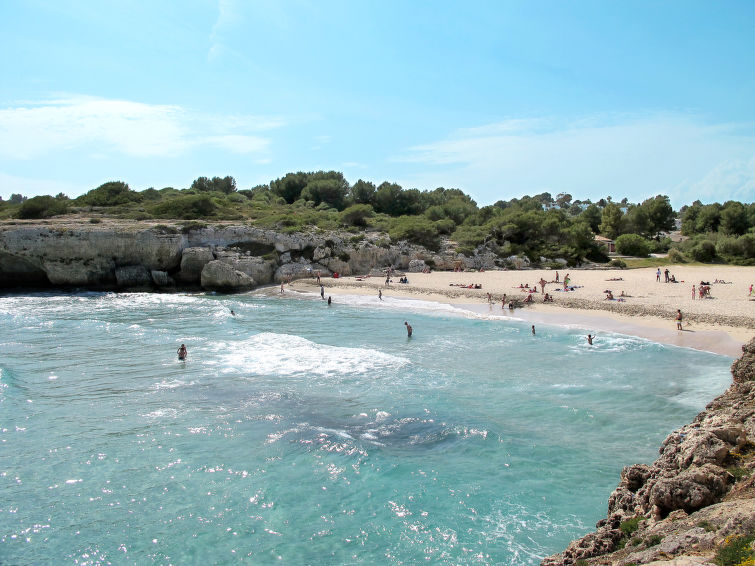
{"x": 499, "y": 98}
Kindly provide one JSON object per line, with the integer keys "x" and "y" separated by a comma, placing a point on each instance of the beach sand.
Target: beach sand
{"x": 720, "y": 324}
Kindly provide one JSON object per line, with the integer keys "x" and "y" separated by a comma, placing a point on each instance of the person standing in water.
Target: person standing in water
{"x": 182, "y": 353}
{"x": 533, "y": 329}
{"x": 328, "y": 300}
{"x": 589, "y": 339}
{"x": 408, "y": 329}
{"x": 380, "y": 294}
{"x": 322, "y": 292}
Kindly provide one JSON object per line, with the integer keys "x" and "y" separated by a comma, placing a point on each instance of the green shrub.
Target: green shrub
{"x": 734, "y": 551}
{"x": 633, "y": 245}
{"x": 94, "y": 220}
{"x": 187, "y": 227}
{"x": 703, "y": 251}
{"x": 42, "y": 207}
{"x": 357, "y": 215}
{"x": 445, "y": 226}
{"x": 676, "y": 256}
{"x": 187, "y": 207}
{"x": 630, "y": 525}
{"x": 113, "y": 193}
{"x": 617, "y": 263}
{"x": 416, "y": 229}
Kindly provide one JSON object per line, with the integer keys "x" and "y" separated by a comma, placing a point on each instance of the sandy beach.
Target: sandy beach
{"x": 721, "y": 323}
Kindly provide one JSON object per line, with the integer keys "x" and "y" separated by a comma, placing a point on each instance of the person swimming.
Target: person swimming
{"x": 182, "y": 353}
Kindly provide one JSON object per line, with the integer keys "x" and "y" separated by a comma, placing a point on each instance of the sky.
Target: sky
{"x": 497, "y": 98}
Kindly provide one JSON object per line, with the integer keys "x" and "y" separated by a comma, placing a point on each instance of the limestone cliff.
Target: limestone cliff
{"x": 693, "y": 499}
{"x": 125, "y": 255}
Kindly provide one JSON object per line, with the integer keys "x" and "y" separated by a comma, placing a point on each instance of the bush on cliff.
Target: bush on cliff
{"x": 357, "y": 215}
{"x": 113, "y": 193}
{"x": 42, "y": 207}
{"x": 190, "y": 207}
{"x": 417, "y": 230}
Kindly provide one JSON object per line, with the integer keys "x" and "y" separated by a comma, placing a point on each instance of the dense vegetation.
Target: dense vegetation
{"x": 540, "y": 228}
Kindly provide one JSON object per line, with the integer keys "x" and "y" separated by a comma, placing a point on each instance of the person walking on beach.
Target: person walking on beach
{"x": 281, "y": 287}
{"x": 380, "y": 294}
{"x": 589, "y": 339}
{"x": 693, "y": 291}
{"x": 678, "y": 319}
{"x": 503, "y": 301}
{"x": 566, "y": 282}
{"x": 556, "y": 276}
{"x": 750, "y": 290}
{"x": 408, "y": 329}
{"x": 542, "y": 285}
{"x": 658, "y": 275}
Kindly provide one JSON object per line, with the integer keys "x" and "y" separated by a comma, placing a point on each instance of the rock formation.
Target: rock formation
{"x": 126, "y": 255}
{"x": 696, "y": 494}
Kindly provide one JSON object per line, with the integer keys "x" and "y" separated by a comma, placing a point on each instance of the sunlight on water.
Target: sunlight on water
{"x": 302, "y": 433}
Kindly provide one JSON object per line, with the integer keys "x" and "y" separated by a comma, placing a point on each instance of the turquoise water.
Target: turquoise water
{"x": 298, "y": 433}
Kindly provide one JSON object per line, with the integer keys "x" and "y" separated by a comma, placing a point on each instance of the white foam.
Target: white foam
{"x": 289, "y": 355}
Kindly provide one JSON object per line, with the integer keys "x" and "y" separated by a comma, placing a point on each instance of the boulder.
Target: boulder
{"x": 690, "y": 490}
{"x": 417, "y": 266}
{"x": 193, "y": 261}
{"x": 220, "y": 276}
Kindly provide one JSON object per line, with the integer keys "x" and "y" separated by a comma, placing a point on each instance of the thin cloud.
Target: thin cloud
{"x": 595, "y": 157}
{"x": 119, "y": 126}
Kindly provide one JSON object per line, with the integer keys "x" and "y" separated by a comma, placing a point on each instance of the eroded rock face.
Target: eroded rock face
{"x": 193, "y": 261}
{"x": 743, "y": 369}
{"x": 683, "y": 489}
{"x": 220, "y": 276}
{"x": 132, "y": 276}
{"x": 116, "y": 255}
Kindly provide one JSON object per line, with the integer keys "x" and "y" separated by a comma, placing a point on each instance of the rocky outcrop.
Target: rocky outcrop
{"x": 702, "y": 477}
{"x": 140, "y": 254}
{"x": 221, "y": 276}
{"x": 132, "y": 276}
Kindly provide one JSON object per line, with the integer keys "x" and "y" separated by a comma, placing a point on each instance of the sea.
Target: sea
{"x": 298, "y": 432}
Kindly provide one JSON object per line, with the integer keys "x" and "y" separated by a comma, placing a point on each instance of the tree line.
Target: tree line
{"x": 542, "y": 228}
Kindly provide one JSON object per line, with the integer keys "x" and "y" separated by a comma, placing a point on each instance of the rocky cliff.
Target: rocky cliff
{"x": 124, "y": 255}
{"x": 694, "y": 500}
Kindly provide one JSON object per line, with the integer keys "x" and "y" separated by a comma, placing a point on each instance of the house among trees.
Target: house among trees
{"x": 607, "y": 242}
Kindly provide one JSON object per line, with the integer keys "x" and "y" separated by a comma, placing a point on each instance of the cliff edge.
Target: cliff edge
{"x": 224, "y": 256}
{"x": 696, "y": 502}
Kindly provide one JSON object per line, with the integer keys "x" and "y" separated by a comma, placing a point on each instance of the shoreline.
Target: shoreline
{"x": 720, "y": 326}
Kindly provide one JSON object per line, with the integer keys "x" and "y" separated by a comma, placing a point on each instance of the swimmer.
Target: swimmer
{"x": 589, "y": 339}
{"x": 533, "y": 329}
{"x": 328, "y": 300}
{"x": 233, "y": 313}
{"x": 182, "y": 353}
{"x": 408, "y": 329}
